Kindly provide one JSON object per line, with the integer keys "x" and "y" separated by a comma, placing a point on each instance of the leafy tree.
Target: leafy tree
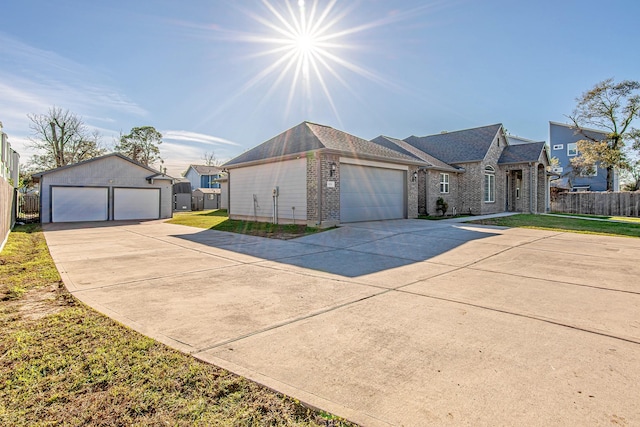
{"x": 62, "y": 138}
{"x": 631, "y": 176}
{"x": 612, "y": 107}
{"x": 141, "y": 145}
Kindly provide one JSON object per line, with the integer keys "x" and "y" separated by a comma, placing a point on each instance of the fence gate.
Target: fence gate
{"x": 28, "y": 207}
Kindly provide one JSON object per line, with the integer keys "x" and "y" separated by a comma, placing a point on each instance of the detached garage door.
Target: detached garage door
{"x": 370, "y": 193}
{"x": 70, "y": 204}
{"x": 136, "y": 203}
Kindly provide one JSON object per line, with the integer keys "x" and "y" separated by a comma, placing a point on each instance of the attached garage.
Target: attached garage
{"x": 371, "y": 193}
{"x": 111, "y": 187}
{"x": 71, "y": 204}
{"x": 324, "y": 177}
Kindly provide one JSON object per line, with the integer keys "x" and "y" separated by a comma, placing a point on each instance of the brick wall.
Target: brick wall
{"x": 433, "y": 192}
{"x": 330, "y": 196}
{"x": 318, "y": 174}
{"x": 412, "y": 193}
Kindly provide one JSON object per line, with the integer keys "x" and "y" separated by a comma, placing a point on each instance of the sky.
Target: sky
{"x": 222, "y": 76}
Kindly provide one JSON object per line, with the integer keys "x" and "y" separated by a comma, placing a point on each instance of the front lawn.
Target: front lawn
{"x": 612, "y": 218}
{"x": 218, "y": 220}
{"x": 558, "y": 223}
{"x": 62, "y": 363}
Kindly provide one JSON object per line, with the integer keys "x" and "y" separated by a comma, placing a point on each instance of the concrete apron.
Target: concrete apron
{"x": 386, "y": 323}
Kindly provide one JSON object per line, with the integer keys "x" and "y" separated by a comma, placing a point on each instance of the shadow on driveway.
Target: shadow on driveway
{"x": 361, "y": 249}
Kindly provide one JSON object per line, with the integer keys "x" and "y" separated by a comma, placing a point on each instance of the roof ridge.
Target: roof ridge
{"x": 457, "y": 131}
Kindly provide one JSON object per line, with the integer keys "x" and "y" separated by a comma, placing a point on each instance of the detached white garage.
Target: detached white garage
{"x": 111, "y": 187}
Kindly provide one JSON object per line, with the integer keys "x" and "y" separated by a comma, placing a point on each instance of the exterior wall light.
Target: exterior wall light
{"x": 414, "y": 176}
{"x": 332, "y": 169}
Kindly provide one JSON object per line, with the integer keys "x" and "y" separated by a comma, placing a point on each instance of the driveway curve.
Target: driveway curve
{"x": 404, "y": 322}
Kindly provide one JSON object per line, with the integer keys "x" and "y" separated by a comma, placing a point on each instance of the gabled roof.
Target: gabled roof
{"x": 522, "y": 153}
{"x": 406, "y": 148}
{"x": 95, "y": 159}
{"x": 308, "y": 136}
{"x": 517, "y": 140}
{"x": 205, "y": 170}
{"x": 469, "y": 145}
{"x": 573, "y": 127}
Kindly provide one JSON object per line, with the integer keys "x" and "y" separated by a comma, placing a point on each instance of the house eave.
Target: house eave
{"x": 326, "y": 151}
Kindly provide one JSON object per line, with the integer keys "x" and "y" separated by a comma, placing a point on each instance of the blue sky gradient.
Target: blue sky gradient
{"x": 200, "y": 72}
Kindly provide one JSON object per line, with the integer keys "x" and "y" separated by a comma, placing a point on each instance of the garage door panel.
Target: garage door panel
{"x": 370, "y": 193}
{"x": 136, "y": 203}
{"x": 72, "y": 204}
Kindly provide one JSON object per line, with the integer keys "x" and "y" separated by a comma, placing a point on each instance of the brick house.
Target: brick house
{"x": 321, "y": 176}
{"x": 486, "y": 174}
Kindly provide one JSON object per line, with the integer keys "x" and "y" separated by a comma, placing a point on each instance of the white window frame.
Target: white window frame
{"x": 444, "y": 183}
{"x": 572, "y": 149}
{"x": 489, "y": 184}
{"x": 558, "y": 147}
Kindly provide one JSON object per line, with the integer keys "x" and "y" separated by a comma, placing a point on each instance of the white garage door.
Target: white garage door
{"x": 136, "y": 203}
{"x": 70, "y": 204}
{"x": 370, "y": 193}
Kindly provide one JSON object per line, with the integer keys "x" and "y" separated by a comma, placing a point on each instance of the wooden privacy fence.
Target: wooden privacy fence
{"x": 598, "y": 203}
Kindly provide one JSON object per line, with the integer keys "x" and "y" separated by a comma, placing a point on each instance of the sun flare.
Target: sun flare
{"x": 307, "y": 41}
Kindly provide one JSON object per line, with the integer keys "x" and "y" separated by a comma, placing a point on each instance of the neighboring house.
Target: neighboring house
{"x": 181, "y": 195}
{"x": 477, "y": 171}
{"x": 224, "y": 192}
{"x": 9, "y": 177}
{"x": 316, "y": 175}
{"x": 110, "y": 187}
{"x": 201, "y": 176}
{"x": 206, "y": 198}
{"x": 563, "y": 139}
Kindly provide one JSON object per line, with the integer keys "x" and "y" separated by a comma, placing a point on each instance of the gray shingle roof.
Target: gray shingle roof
{"x": 469, "y": 145}
{"x": 206, "y": 170}
{"x": 401, "y": 146}
{"x": 521, "y": 153}
{"x": 94, "y": 159}
{"x": 310, "y": 137}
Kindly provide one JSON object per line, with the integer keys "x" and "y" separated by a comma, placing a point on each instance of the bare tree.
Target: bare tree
{"x": 210, "y": 159}
{"x": 141, "y": 145}
{"x": 612, "y": 107}
{"x": 62, "y": 138}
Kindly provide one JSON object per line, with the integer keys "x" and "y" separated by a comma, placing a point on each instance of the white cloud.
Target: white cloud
{"x": 33, "y": 80}
{"x": 183, "y": 135}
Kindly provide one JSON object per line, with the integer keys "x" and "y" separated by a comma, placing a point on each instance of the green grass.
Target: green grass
{"x": 218, "y": 220}
{"x": 556, "y": 223}
{"x": 613, "y": 218}
{"x": 62, "y": 363}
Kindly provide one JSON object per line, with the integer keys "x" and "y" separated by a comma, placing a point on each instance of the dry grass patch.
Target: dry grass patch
{"x": 62, "y": 363}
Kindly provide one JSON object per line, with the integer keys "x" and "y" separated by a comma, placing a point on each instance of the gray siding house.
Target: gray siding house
{"x": 563, "y": 139}
{"x": 202, "y": 176}
{"x": 110, "y": 187}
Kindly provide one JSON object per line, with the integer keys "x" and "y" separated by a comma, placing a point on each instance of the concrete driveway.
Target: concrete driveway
{"x": 385, "y": 323}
